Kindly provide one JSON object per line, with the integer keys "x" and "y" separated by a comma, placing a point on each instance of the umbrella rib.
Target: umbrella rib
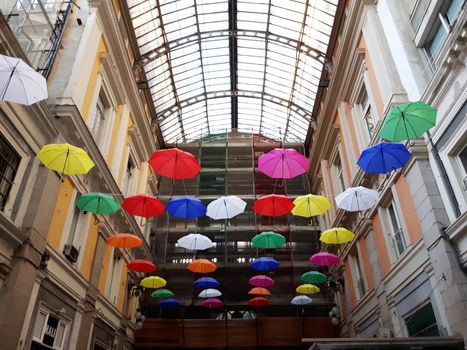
{"x": 5, "y": 89}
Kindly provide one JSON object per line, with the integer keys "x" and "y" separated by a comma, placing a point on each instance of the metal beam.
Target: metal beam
{"x": 233, "y": 62}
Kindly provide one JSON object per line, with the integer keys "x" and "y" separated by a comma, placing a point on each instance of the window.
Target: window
{"x": 77, "y": 229}
{"x": 367, "y": 114}
{"x": 357, "y": 275}
{"x": 338, "y": 171}
{"x": 422, "y": 323}
{"x": 49, "y": 330}
{"x": 129, "y": 179}
{"x": 113, "y": 283}
{"x": 462, "y": 157}
{"x": 96, "y": 122}
{"x": 9, "y": 163}
{"x": 395, "y": 230}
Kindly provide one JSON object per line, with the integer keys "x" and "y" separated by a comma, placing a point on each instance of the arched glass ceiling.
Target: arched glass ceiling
{"x": 214, "y": 65}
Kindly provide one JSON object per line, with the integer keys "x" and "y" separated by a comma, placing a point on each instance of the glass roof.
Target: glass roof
{"x": 213, "y": 65}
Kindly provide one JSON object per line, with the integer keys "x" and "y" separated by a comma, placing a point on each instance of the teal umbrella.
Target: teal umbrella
{"x": 98, "y": 203}
{"x": 408, "y": 121}
{"x": 268, "y": 240}
{"x": 162, "y": 294}
{"x": 314, "y": 277}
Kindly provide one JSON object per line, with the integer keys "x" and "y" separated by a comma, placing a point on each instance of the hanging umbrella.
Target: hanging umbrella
{"x": 273, "y": 205}
{"x": 162, "y": 294}
{"x": 324, "y": 259}
{"x": 357, "y": 198}
{"x": 186, "y": 207}
{"x": 65, "y": 158}
{"x": 259, "y": 291}
{"x": 98, "y": 203}
{"x": 20, "y": 83}
{"x": 141, "y": 266}
{"x": 261, "y": 281}
{"x": 408, "y": 121}
{"x": 258, "y": 302}
{"x": 169, "y": 303}
{"x": 195, "y": 241}
{"x": 283, "y": 163}
{"x": 301, "y": 300}
{"x": 212, "y": 303}
{"x": 153, "y": 282}
{"x": 310, "y": 205}
{"x": 124, "y": 240}
{"x": 225, "y": 207}
{"x": 314, "y": 277}
{"x": 307, "y": 289}
{"x": 206, "y": 282}
{"x": 336, "y": 235}
{"x": 174, "y": 163}
{"x": 264, "y": 264}
{"x": 143, "y": 205}
{"x": 210, "y": 293}
{"x": 202, "y": 266}
{"x": 383, "y": 158}
{"x": 268, "y": 240}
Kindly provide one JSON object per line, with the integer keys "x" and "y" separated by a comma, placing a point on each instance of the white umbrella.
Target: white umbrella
{"x": 301, "y": 300}
{"x": 357, "y": 198}
{"x": 225, "y": 207}
{"x": 195, "y": 241}
{"x": 20, "y": 83}
{"x": 210, "y": 293}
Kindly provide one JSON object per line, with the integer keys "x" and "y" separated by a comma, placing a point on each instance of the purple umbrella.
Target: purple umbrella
{"x": 261, "y": 281}
{"x": 283, "y": 163}
{"x": 324, "y": 259}
{"x": 212, "y": 303}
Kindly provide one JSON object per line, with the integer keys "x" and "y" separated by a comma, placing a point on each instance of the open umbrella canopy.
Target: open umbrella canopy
{"x": 261, "y": 281}
{"x": 174, "y": 163}
{"x": 383, "y": 158}
{"x": 357, "y": 198}
{"x": 336, "y": 235}
{"x": 195, "y": 241}
{"x": 124, "y": 240}
{"x": 162, "y": 294}
{"x": 225, "y": 207}
{"x": 98, "y": 203}
{"x": 258, "y": 302}
{"x": 301, "y": 300}
{"x": 268, "y": 240}
{"x": 264, "y": 264}
{"x": 314, "y": 277}
{"x": 202, "y": 266}
{"x": 143, "y": 205}
{"x": 153, "y": 282}
{"x": 141, "y": 266}
{"x": 310, "y": 205}
{"x": 210, "y": 293}
{"x": 169, "y": 303}
{"x": 20, "y": 83}
{"x": 259, "y": 291}
{"x": 206, "y": 282}
{"x": 212, "y": 303}
{"x": 283, "y": 163}
{"x": 186, "y": 207}
{"x": 408, "y": 121}
{"x": 273, "y": 205}
{"x": 65, "y": 158}
{"x": 324, "y": 259}
{"x": 307, "y": 289}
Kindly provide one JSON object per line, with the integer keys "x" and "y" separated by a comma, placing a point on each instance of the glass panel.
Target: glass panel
{"x": 422, "y": 323}
{"x": 9, "y": 163}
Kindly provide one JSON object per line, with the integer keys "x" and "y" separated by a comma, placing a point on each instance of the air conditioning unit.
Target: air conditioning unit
{"x": 71, "y": 252}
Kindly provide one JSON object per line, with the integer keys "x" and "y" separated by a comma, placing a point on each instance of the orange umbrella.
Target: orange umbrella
{"x": 259, "y": 291}
{"x": 124, "y": 240}
{"x": 202, "y": 266}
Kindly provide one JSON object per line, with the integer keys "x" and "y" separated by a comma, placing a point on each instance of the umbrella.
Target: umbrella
{"x": 268, "y": 240}
{"x": 259, "y": 291}
{"x": 169, "y": 303}
{"x": 261, "y": 281}
{"x": 202, "y": 266}
{"x": 210, "y": 293}
{"x": 153, "y": 282}
{"x": 162, "y": 293}
{"x": 141, "y": 266}
{"x": 225, "y": 207}
{"x": 212, "y": 303}
{"x": 324, "y": 259}
{"x": 273, "y": 205}
{"x": 283, "y": 163}
{"x": 408, "y": 121}
{"x": 124, "y": 240}
{"x": 336, "y": 235}
{"x": 186, "y": 207}
{"x": 307, "y": 289}
{"x": 195, "y": 241}
{"x": 174, "y": 163}
{"x": 206, "y": 282}
{"x": 310, "y": 205}
{"x": 258, "y": 302}
{"x": 383, "y": 158}
{"x": 357, "y": 198}
{"x": 98, "y": 203}
{"x": 20, "y": 83}
{"x": 143, "y": 205}
{"x": 65, "y": 158}
{"x": 314, "y": 277}
{"x": 264, "y": 264}
{"x": 301, "y": 300}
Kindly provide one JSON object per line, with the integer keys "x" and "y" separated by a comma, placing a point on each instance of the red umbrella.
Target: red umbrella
{"x": 141, "y": 266}
{"x": 258, "y": 302}
{"x": 174, "y": 163}
{"x": 143, "y": 205}
{"x": 273, "y": 205}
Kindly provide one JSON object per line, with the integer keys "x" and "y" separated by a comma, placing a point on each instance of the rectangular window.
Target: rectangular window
{"x": 96, "y": 122}
{"x": 9, "y": 163}
{"x": 340, "y": 173}
{"x": 49, "y": 330}
{"x": 422, "y": 323}
{"x": 396, "y": 233}
{"x": 129, "y": 177}
{"x": 367, "y": 116}
{"x": 357, "y": 274}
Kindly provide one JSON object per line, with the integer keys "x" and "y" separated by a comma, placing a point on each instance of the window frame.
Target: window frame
{"x": 5, "y": 197}
{"x": 129, "y": 187}
{"x": 61, "y": 320}
{"x": 358, "y": 272}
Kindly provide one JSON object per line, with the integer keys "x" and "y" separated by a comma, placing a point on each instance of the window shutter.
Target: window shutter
{"x": 39, "y": 325}
{"x": 59, "y": 335}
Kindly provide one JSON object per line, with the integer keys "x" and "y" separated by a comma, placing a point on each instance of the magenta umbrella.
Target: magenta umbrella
{"x": 212, "y": 303}
{"x": 283, "y": 163}
{"x": 261, "y": 281}
{"x": 324, "y": 259}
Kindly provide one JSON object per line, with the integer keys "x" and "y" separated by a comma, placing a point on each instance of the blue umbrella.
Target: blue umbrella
{"x": 186, "y": 207}
{"x": 383, "y": 158}
{"x": 264, "y": 264}
{"x": 169, "y": 303}
{"x": 206, "y": 282}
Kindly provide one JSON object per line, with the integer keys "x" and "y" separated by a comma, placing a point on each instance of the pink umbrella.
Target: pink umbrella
{"x": 261, "y": 281}
{"x": 212, "y": 302}
{"x": 283, "y": 163}
{"x": 324, "y": 259}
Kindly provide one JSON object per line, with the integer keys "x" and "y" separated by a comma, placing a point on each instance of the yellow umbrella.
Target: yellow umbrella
{"x": 307, "y": 289}
{"x": 153, "y": 282}
{"x": 310, "y": 205}
{"x": 65, "y": 158}
{"x": 336, "y": 235}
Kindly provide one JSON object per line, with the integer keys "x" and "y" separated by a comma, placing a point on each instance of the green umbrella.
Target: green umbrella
{"x": 268, "y": 240}
{"x": 408, "y": 121}
{"x": 98, "y": 203}
{"x": 314, "y": 277}
{"x": 162, "y": 294}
